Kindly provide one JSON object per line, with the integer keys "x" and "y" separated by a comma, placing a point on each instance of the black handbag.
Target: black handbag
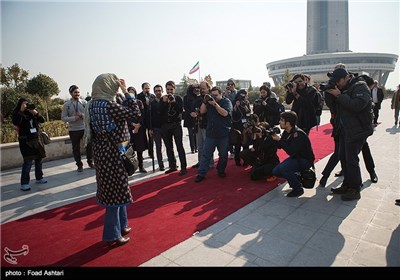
{"x": 45, "y": 137}
{"x": 131, "y": 161}
{"x": 308, "y": 178}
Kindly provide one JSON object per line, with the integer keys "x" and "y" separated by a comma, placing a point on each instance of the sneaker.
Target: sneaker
{"x": 41, "y": 181}
{"x": 340, "y": 190}
{"x": 271, "y": 179}
{"x": 199, "y": 178}
{"x": 351, "y": 194}
{"x": 25, "y": 188}
{"x": 295, "y": 193}
{"x": 374, "y": 177}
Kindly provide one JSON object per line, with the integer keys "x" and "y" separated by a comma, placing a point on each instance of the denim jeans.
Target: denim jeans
{"x": 288, "y": 168}
{"x": 26, "y": 169}
{"x": 208, "y": 149}
{"x": 116, "y": 218}
{"x": 201, "y": 138}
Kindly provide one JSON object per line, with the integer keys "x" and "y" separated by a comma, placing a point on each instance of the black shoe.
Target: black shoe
{"x": 80, "y": 169}
{"x": 199, "y": 178}
{"x": 339, "y": 174}
{"x": 238, "y": 163}
{"x": 119, "y": 242}
{"x": 397, "y": 200}
{"x": 170, "y": 170}
{"x": 374, "y": 177}
{"x": 222, "y": 174}
{"x": 295, "y": 193}
{"x": 340, "y": 190}
{"x": 162, "y": 168}
{"x": 91, "y": 165}
{"x": 196, "y": 165}
{"x": 125, "y": 231}
{"x": 142, "y": 170}
{"x": 351, "y": 194}
{"x": 182, "y": 172}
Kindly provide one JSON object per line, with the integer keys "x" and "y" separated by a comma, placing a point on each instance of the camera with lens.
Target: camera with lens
{"x": 256, "y": 129}
{"x": 274, "y": 130}
{"x": 289, "y": 85}
{"x": 171, "y": 97}
{"x": 327, "y": 86}
{"x": 30, "y": 106}
{"x": 208, "y": 97}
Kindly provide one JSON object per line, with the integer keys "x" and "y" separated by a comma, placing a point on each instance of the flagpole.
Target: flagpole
{"x": 199, "y": 73}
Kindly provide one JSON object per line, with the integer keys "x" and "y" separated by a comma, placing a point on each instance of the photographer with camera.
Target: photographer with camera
{"x": 219, "y": 110}
{"x": 262, "y": 155}
{"x": 201, "y": 122}
{"x": 354, "y": 119}
{"x": 26, "y": 119}
{"x": 295, "y": 142}
{"x": 303, "y": 96}
{"x": 188, "y": 121}
{"x": 267, "y": 106}
{"x": 73, "y": 114}
{"x": 171, "y": 109}
{"x": 240, "y": 116}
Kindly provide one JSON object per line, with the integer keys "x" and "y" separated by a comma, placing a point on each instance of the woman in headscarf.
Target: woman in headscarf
{"x": 26, "y": 120}
{"x": 106, "y": 126}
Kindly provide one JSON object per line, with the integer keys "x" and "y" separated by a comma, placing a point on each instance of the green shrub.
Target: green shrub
{"x": 53, "y": 128}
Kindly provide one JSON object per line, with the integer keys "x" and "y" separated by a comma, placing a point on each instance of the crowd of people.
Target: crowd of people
{"x": 110, "y": 120}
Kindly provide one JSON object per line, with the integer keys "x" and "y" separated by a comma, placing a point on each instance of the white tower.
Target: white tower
{"x": 327, "y": 26}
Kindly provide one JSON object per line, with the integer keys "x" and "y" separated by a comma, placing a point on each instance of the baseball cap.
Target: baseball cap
{"x": 338, "y": 74}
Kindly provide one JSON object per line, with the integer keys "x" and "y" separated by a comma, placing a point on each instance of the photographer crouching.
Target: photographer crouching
{"x": 262, "y": 156}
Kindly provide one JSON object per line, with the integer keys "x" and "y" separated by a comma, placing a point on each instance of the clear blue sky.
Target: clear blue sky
{"x": 73, "y": 42}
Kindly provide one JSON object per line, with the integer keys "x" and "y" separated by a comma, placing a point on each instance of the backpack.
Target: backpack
{"x": 319, "y": 101}
{"x": 281, "y": 109}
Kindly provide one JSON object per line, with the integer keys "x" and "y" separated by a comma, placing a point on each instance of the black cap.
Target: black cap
{"x": 338, "y": 74}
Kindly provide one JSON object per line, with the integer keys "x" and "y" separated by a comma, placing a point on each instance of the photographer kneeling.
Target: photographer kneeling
{"x": 262, "y": 156}
{"x": 297, "y": 145}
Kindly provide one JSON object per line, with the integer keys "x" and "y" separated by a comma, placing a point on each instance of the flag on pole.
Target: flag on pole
{"x": 195, "y": 68}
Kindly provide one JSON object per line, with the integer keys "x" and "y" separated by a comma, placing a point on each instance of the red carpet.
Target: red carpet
{"x": 167, "y": 210}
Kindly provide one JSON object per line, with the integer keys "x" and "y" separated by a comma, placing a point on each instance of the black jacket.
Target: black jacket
{"x": 354, "y": 109}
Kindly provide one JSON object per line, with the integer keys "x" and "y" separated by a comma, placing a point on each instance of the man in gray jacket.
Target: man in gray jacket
{"x": 73, "y": 114}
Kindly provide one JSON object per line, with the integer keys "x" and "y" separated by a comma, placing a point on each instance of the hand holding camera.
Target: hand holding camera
{"x": 171, "y": 97}
{"x": 207, "y": 98}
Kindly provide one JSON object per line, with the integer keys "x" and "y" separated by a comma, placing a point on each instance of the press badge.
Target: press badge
{"x": 33, "y": 130}
{"x": 244, "y": 121}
